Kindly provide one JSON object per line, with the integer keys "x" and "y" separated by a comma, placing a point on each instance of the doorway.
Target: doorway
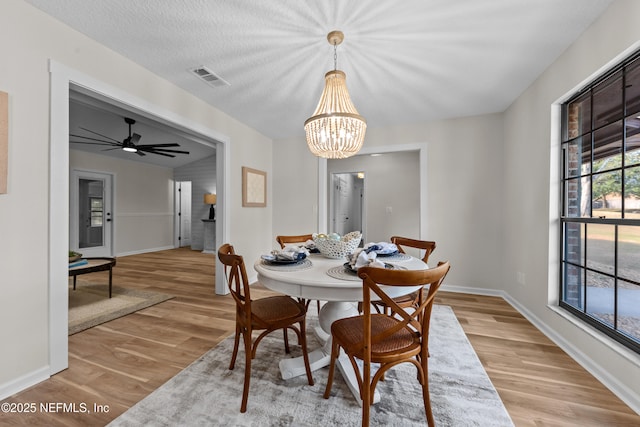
{"x": 347, "y": 200}
{"x": 91, "y": 219}
{"x": 182, "y": 214}
{"x": 64, "y": 79}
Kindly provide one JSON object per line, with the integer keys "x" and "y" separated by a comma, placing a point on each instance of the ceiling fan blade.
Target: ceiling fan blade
{"x": 172, "y": 144}
{"x": 96, "y": 133}
{"x": 156, "y": 152}
{"x": 164, "y": 150}
{"x": 135, "y": 138}
{"x": 93, "y": 143}
{"x": 140, "y": 153}
{"x": 92, "y": 139}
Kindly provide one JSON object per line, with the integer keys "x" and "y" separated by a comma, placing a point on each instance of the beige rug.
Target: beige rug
{"x": 90, "y": 305}
{"x": 207, "y": 393}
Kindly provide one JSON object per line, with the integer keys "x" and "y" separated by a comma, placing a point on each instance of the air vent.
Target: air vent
{"x": 209, "y": 77}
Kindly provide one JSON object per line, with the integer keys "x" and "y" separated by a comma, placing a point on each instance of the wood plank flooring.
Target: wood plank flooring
{"x": 116, "y": 364}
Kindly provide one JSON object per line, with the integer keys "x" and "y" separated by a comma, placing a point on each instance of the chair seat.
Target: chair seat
{"x": 277, "y": 308}
{"x": 350, "y": 333}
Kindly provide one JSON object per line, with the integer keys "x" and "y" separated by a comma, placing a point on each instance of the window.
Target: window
{"x": 600, "y": 247}
{"x": 96, "y": 211}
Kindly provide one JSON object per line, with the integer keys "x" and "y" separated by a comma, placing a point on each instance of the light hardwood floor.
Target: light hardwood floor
{"x": 118, "y": 363}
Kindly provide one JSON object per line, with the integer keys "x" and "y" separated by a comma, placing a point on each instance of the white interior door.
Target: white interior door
{"x": 347, "y": 192}
{"x": 91, "y": 218}
{"x": 182, "y": 213}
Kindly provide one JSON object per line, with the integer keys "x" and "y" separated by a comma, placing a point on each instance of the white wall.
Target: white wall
{"x": 143, "y": 202}
{"x": 391, "y": 180}
{"x": 464, "y": 187}
{"x": 531, "y": 198}
{"x": 35, "y": 39}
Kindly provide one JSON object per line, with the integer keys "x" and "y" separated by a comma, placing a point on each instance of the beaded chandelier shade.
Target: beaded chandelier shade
{"x": 336, "y": 130}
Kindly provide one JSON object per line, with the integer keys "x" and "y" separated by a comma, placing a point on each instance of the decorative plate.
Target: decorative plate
{"x": 383, "y": 252}
{"x": 274, "y": 260}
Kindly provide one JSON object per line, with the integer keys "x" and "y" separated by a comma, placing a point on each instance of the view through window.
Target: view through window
{"x": 600, "y": 268}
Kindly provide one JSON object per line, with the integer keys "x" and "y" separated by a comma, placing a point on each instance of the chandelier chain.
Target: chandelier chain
{"x": 335, "y": 55}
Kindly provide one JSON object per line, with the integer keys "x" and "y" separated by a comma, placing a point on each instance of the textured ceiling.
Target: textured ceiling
{"x": 406, "y": 60}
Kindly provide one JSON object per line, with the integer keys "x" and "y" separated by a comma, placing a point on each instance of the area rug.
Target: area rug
{"x": 90, "y": 305}
{"x": 207, "y": 393}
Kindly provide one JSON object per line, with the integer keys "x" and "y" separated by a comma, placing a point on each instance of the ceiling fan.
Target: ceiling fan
{"x": 129, "y": 144}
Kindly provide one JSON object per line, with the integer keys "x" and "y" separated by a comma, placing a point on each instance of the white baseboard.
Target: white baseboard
{"x": 145, "y": 251}
{"x": 474, "y": 291}
{"x": 19, "y": 384}
{"x": 624, "y": 393}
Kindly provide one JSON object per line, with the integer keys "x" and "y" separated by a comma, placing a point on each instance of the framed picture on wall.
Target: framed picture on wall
{"x": 254, "y": 188}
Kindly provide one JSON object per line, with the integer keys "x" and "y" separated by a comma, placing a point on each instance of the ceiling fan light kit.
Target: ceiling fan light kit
{"x": 129, "y": 144}
{"x": 336, "y": 130}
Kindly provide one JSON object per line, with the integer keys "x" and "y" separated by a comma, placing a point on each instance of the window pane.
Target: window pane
{"x": 607, "y": 101}
{"x": 607, "y": 146}
{"x": 96, "y": 219}
{"x": 632, "y": 152}
{"x": 578, "y": 160}
{"x": 573, "y": 290}
{"x": 574, "y": 243}
{"x": 629, "y": 253}
{"x": 579, "y": 117}
{"x": 600, "y": 297}
{"x": 632, "y": 192}
{"x": 607, "y": 199}
{"x": 96, "y": 204}
{"x": 577, "y": 197}
{"x": 632, "y": 89}
{"x": 601, "y": 247}
{"x": 628, "y": 313}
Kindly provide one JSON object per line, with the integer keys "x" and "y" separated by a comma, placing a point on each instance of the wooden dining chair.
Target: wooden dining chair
{"x": 285, "y": 240}
{"x": 266, "y": 314}
{"x": 387, "y": 339}
{"x": 411, "y": 300}
{"x": 301, "y": 238}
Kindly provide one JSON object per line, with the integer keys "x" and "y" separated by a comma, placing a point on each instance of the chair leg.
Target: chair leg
{"x": 305, "y": 353}
{"x": 236, "y": 341}
{"x": 332, "y": 367}
{"x": 247, "y": 372}
{"x": 318, "y": 303}
{"x": 286, "y": 340}
{"x": 426, "y": 397}
{"x": 366, "y": 394}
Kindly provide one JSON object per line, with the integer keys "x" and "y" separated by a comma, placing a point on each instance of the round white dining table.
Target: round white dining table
{"x": 325, "y": 279}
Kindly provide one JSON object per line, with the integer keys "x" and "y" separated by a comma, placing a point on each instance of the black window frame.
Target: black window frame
{"x": 569, "y": 262}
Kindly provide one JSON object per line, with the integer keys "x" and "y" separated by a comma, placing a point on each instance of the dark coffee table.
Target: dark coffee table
{"x": 93, "y": 265}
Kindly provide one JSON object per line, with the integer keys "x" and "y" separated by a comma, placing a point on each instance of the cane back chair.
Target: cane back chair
{"x": 265, "y": 314}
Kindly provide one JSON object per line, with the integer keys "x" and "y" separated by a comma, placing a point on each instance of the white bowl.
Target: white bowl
{"x": 337, "y": 249}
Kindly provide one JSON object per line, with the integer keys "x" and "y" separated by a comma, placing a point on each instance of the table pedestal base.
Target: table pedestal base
{"x": 321, "y": 357}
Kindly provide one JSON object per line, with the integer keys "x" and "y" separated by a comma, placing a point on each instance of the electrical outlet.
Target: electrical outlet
{"x": 520, "y": 277}
{"x": 389, "y": 209}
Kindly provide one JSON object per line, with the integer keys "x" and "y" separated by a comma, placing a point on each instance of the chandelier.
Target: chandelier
{"x": 336, "y": 130}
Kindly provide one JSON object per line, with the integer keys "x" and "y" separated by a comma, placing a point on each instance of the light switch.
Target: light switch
{"x": 389, "y": 209}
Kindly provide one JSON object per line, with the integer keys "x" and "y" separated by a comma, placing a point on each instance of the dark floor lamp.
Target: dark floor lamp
{"x": 210, "y": 199}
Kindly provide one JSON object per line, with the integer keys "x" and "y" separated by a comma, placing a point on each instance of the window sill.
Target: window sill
{"x": 623, "y": 351}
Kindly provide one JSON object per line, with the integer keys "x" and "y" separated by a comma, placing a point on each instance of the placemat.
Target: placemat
{"x": 340, "y": 272}
{"x": 300, "y": 265}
